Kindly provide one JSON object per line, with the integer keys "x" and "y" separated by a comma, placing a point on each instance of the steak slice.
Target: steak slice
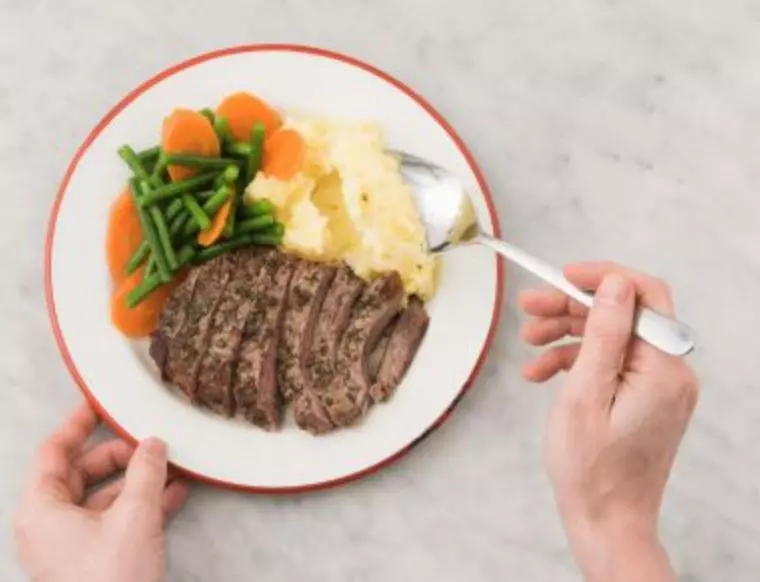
{"x": 332, "y": 322}
{"x": 308, "y": 409}
{"x": 217, "y": 366}
{"x": 188, "y": 346}
{"x": 254, "y": 386}
{"x": 171, "y": 320}
{"x": 346, "y": 399}
{"x": 376, "y": 356}
{"x": 402, "y": 347}
{"x": 307, "y": 293}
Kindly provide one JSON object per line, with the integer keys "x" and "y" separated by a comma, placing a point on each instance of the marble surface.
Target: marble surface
{"x": 607, "y": 129}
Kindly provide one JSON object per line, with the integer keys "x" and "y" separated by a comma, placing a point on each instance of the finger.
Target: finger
{"x": 549, "y": 303}
{"x": 52, "y": 467}
{"x": 146, "y": 474}
{"x": 653, "y": 293}
{"x": 539, "y": 332}
{"x": 104, "y": 460}
{"x": 550, "y": 362}
{"x": 104, "y": 497}
{"x": 175, "y": 495}
{"x": 606, "y": 339}
{"x": 73, "y": 434}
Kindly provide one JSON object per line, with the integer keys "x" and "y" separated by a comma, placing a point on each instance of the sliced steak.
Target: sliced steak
{"x": 332, "y": 322}
{"x": 346, "y": 399}
{"x": 376, "y": 356}
{"x": 188, "y": 346}
{"x": 307, "y": 293}
{"x": 254, "y": 385}
{"x": 218, "y": 364}
{"x": 171, "y": 320}
{"x": 402, "y": 347}
{"x": 308, "y": 409}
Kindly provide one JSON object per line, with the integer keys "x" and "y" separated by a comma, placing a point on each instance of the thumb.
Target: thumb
{"x": 607, "y": 335}
{"x": 145, "y": 478}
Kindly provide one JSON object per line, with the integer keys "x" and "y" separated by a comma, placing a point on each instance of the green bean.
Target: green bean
{"x": 222, "y": 128}
{"x": 176, "y": 189}
{"x": 149, "y": 284}
{"x": 257, "y": 208}
{"x": 239, "y": 148}
{"x": 164, "y": 237}
{"x": 137, "y": 258}
{"x": 277, "y": 229}
{"x": 196, "y": 211}
{"x": 257, "y": 151}
{"x": 224, "y": 247}
{"x": 130, "y": 158}
{"x": 173, "y": 209}
{"x": 150, "y": 268}
{"x": 152, "y": 281}
{"x": 230, "y": 174}
{"x": 156, "y": 176}
{"x": 201, "y": 162}
{"x": 149, "y": 154}
{"x": 149, "y": 231}
{"x": 208, "y": 114}
{"x": 215, "y": 202}
{"x": 177, "y": 225}
{"x": 255, "y": 224}
{"x": 266, "y": 239}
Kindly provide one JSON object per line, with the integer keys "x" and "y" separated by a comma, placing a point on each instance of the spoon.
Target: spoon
{"x": 450, "y": 221}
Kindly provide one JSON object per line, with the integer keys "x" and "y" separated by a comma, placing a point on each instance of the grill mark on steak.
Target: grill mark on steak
{"x": 189, "y": 345}
{"x": 171, "y": 320}
{"x": 254, "y": 384}
{"x": 346, "y": 399}
{"x": 307, "y": 293}
{"x": 402, "y": 347}
{"x": 218, "y": 365}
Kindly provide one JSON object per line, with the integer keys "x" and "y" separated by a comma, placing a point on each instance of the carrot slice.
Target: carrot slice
{"x": 243, "y": 111}
{"x": 142, "y": 319}
{"x": 209, "y": 236}
{"x": 284, "y": 154}
{"x": 123, "y": 235}
{"x": 188, "y": 132}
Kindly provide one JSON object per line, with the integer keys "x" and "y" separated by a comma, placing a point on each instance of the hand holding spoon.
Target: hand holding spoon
{"x": 450, "y": 221}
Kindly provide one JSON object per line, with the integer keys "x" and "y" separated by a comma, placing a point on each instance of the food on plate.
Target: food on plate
{"x": 348, "y": 202}
{"x": 329, "y": 322}
{"x": 251, "y": 331}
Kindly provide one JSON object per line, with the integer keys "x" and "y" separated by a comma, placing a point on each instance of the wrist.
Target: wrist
{"x": 619, "y": 550}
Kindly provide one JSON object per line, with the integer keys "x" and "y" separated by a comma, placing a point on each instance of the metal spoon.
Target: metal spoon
{"x": 450, "y": 221}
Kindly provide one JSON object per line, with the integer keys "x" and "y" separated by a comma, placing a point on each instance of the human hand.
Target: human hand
{"x": 616, "y": 423}
{"x": 65, "y": 533}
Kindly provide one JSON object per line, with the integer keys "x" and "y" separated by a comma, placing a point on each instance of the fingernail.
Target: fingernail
{"x": 154, "y": 446}
{"x": 614, "y": 290}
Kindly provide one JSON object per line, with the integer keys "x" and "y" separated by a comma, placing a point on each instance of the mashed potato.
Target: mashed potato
{"x": 350, "y": 203}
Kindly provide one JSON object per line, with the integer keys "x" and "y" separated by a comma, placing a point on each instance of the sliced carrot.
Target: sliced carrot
{"x": 123, "y": 235}
{"x": 188, "y": 132}
{"x": 209, "y": 236}
{"x": 142, "y": 319}
{"x": 284, "y": 154}
{"x": 243, "y": 111}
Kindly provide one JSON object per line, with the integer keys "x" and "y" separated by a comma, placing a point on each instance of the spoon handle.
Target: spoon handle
{"x": 668, "y": 335}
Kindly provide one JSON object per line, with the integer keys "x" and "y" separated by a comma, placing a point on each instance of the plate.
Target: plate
{"x": 118, "y": 377}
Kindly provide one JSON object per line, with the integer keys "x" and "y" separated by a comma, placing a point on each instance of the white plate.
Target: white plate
{"x": 119, "y": 379}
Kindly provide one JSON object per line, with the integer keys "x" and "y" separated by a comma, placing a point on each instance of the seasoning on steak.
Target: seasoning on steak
{"x": 346, "y": 399}
{"x": 171, "y": 320}
{"x": 188, "y": 346}
{"x": 254, "y": 385}
{"x": 402, "y": 346}
{"x": 307, "y": 293}
{"x": 217, "y": 367}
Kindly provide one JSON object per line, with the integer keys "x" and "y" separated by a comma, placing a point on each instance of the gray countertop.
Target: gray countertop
{"x": 605, "y": 129}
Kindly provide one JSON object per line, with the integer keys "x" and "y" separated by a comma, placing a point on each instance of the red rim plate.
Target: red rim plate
{"x": 103, "y": 123}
